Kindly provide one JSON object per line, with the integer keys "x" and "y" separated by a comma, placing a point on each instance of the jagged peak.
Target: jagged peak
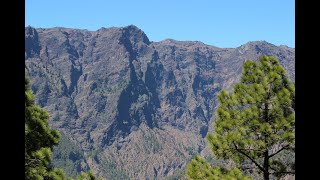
{"x": 30, "y": 30}
{"x": 132, "y": 27}
{"x": 29, "y": 27}
{"x": 263, "y": 44}
{"x": 136, "y": 33}
{"x": 258, "y": 43}
{"x": 131, "y": 31}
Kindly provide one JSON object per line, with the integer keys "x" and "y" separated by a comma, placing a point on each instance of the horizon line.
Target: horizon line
{"x": 169, "y": 38}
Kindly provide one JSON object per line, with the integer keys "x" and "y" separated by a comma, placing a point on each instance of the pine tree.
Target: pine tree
{"x": 39, "y": 141}
{"x": 87, "y": 176}
{"x": 200, "y": 169}
{"x": 256, "y": 122}
{"x": 39, "y": 138}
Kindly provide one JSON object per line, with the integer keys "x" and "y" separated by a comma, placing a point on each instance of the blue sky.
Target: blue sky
{"x": 222, "y": 23}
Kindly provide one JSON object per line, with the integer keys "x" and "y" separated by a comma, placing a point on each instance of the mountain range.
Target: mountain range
{"x": 130, "y": 108}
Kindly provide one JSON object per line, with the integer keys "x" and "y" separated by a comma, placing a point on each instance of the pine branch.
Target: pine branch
{"x": 32, "y": 162}
{"x": 252, "y": 160}
{"x": 282, "y": 172}
{"x": 243, "y": 149}
{"x": 277, "y": 171}
{"x": 283, "y": 148}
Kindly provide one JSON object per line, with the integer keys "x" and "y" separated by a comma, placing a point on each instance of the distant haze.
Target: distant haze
{"x": 225, "y": 24}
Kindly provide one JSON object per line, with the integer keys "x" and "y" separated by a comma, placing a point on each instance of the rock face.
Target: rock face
{"x": 136, "y": 109}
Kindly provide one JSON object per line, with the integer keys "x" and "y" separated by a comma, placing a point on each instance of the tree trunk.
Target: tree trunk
{"x": 266, "y": 153}
{"x": 266, "y": 165}
{"x": 266, "y": 176}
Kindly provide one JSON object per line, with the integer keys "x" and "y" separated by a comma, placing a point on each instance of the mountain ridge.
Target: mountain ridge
{"x": 132, "y": 106}
{"x": 167, "y": 39}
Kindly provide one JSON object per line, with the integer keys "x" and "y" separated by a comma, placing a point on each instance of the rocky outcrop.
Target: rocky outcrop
{"x": 135, "y": 108}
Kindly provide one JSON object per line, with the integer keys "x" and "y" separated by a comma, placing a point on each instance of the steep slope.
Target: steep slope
{"x": 136, "y": 109}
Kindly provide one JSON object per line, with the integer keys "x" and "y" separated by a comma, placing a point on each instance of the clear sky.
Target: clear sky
{"x": 222, "y": 23}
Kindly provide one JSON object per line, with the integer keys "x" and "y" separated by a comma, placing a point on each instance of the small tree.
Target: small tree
{"x": 256, "y": 122}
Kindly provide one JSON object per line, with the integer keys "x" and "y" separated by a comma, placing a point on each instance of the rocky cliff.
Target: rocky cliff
{"x": 132, "y": 108}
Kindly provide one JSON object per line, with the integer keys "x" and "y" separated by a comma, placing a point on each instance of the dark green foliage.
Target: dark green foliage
{"x": 39, "y": 141}
{"x": 111, "y": 171}
{"x": 256, "y": 122}
{"x": 57, "y": 174}
{"x": 39, "y": 138}
{"x": 87, "y": 176}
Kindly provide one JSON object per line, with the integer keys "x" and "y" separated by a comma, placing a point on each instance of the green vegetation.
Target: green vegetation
{"x": 255, "y": 125}
{"x": 199, "y": 168}
{"x": 68, "y": 156}
{"x": 113, "y": 89}
{"x": 86, "y": 176}
{"x": 111, "y": 170}
{"x": 39, "y": 141}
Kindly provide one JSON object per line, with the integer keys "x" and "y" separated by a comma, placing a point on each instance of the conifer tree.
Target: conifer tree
{"x": 87, "y": 176}
{"x": 39, "y": 138}
{"x": 200, "y": 169}
{"x": 255, "y": 123}
{"x": 39, "y": 141}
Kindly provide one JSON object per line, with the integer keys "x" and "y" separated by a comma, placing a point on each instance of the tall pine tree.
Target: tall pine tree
{"x": 255, "y": 123}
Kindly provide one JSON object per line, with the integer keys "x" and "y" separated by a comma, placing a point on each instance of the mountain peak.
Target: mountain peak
{"x": 132, "y": 27}
{"x": 30, "y": 30}
{"x": 258, "y": 43}
{"x": 135, "y": 33}
{"x": 112, "y": 93}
